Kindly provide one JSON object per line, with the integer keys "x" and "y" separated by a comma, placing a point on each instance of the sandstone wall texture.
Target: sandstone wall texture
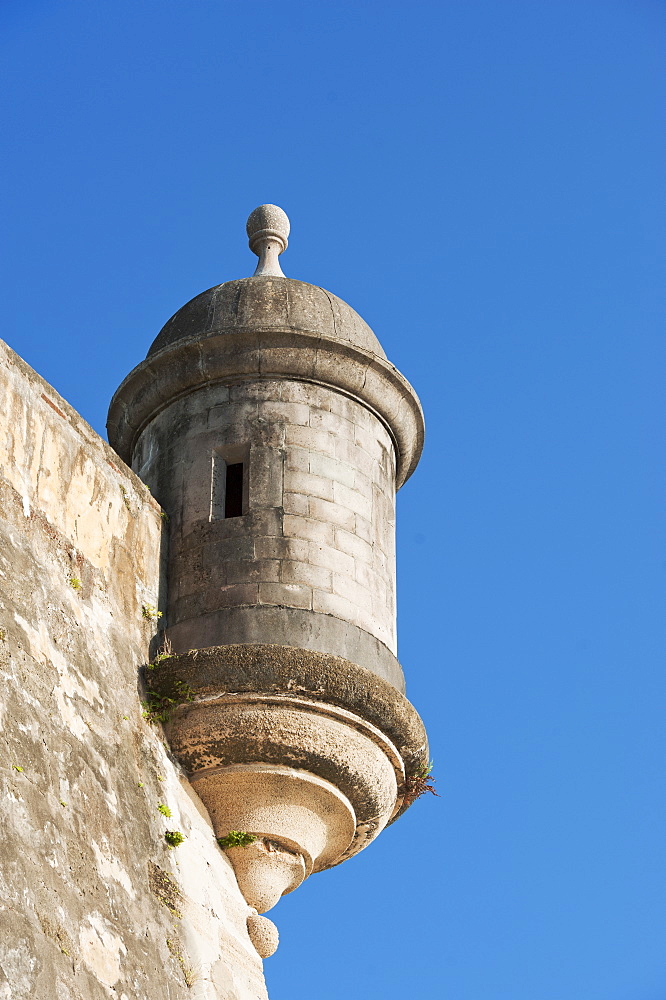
{"x": 93, "y": 902}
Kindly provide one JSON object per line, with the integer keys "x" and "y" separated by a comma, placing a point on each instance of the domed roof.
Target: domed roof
{"x": 268, "y": 326}
{"x": 268, "y": 303}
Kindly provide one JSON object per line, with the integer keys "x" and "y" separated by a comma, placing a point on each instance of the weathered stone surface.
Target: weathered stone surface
{"x": 274, "y": 671}
{"x": 93, "y": 903}
{"x": 263, "y": 935}
{"x": 237, "y": 331}
{"x": 209, "y": 737}
{"x": 280, "y": 303}
{"x": 282, "y": 626}
{"x": 265, "y": 871}
{"x": 288, "y": 434}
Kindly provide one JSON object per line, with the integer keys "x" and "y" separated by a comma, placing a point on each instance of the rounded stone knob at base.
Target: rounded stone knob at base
{"x": 263, "y": 935}
{"x": 265, "y": 871}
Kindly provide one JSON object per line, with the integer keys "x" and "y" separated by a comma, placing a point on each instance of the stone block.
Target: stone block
{"x": 364, "y": 529}
{"x": 333, "y": 513}
{"x": 369, "y": 440}
{"x": 298, "y": 458}
{"x": 310, "y": 438}
{"x": 305, "y": 527}
{"x": 233, "y": 594}
{"x": 353, "y": 545}
{"x": 352, "y": 500}
{"x": 333, "y": 604}
{"x": 363, "y": 484}
{"x": 252, "y": 571}
{"x": 282, "y": 548}
{"x": 307, "y": 573}
{"x": 360, "y": 597}
{"x": 288, "y": 412}
{"x": 332, "y": 468}
{"x": 291, "y": 595}
{"x": 351, "y": 453}
{"x": 334, "y": 423}
{"x": 331, "y": 558}
{"x": 308, "y": 484}
{"x": 368, "y": 578}
{"x": 219, "y": 551}
{"x": 265, "y": 478}
{"x": 295, "y": 503}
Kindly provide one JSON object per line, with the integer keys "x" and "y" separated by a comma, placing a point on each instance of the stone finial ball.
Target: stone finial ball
{"x": 267, "y": 221}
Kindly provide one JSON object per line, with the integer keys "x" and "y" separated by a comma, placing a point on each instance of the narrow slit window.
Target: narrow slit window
{"x": 233, "y": 490}
{"x": 226, "y": 493}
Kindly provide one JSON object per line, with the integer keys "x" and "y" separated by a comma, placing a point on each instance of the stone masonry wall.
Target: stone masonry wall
{"x": 93, "y": 903}
{"x": 318, "y": 529}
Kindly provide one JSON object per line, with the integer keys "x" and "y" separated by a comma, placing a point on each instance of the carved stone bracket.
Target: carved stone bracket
{"x": 307, "y": 752}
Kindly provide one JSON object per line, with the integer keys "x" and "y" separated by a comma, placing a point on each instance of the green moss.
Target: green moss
{"x": 174, "y": 838}
{"x": 236, "y": 838}
{"x": 164, "y": 810}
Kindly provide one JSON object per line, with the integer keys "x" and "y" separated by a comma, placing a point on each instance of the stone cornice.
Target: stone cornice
{"x": 233, "y": 357}
{"x": 263, "y": 668}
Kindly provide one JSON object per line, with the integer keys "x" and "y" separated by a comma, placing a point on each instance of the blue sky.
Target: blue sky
{"x": 483, "y": 182}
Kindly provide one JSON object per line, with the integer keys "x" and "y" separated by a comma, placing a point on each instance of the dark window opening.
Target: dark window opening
{"x": 233, "y": 491}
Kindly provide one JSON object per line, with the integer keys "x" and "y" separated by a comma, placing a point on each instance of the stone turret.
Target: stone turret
{"x": 270, "y": 426}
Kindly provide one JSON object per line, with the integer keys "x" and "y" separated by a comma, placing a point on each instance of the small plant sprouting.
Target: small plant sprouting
{"x": 164, "y": 810}
{"x": 165, "y": 517}
{"x": 75, "y": 583}
{"x": 150, "y": 613}
{"x": 164, "y": 888}
{"x": 419, "y": 783}
{"x": 17, "y": 768}
{"x": 126, "y": 499}
{"x": 188, "y": 973}
{"x": 236, "y": 838}
{"x": 165, "y": 653}
{"x": 160, "y": 658}
{"x": 139, "y": 784}
{"x": 174, "y": 838}
{"x": 63, "y": 803}
{"x": 159, "y": 707}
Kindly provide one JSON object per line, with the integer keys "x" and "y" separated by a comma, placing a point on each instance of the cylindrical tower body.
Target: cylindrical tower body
{"x": 275, "y": 456}
{"x": 300, "y": 541}
{"x": 273, "y": 431}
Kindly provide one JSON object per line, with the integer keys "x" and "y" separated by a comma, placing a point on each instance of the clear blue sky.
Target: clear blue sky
{"x": 483, "y": 181}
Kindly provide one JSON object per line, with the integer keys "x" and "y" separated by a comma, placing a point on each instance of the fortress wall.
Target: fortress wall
{"x": 93, "y": 903}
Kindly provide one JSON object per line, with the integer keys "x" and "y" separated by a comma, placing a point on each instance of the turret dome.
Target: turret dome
{"x": 268, "y": 326}
{"x": 268, "y": 304}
